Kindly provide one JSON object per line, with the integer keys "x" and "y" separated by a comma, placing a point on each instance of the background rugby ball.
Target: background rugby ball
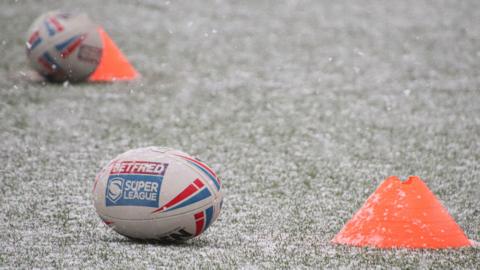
{"x": 63, "y": 46}
{"x": 157, "y": 193}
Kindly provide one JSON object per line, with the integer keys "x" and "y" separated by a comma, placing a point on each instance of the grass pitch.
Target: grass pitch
{"x": 302, "y": 108}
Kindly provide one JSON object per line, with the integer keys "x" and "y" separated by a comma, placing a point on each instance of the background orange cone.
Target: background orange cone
{"x": 113, "y": 65}
{"x": 404, "y": 215}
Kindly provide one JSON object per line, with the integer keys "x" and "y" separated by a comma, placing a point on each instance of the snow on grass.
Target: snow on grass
{"x": 303, "y": 108}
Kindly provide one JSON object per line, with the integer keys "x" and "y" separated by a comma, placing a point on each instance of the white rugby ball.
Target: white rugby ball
{"x": 157, "y": 193}
{"x": 63, "y": 46}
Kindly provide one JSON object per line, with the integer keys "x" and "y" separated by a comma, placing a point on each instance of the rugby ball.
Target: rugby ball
{"x": 157, "y": 193}
{"x": 64, "y": 46}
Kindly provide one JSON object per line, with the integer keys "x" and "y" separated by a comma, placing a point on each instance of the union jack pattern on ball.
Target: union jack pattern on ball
{"x": 204, "y": 168}
{"x": 53, "y": 26}
{"x": 48, "y": 62}
{"x": 193, "y": 193}
{"x": 203, "y": 219}
{"x": 68, "y": 46}
{"x": 33, "y": 41}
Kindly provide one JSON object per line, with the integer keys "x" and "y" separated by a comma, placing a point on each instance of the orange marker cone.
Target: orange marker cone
{"x": 402, "y": 215}
{"x": 113, "y": 65}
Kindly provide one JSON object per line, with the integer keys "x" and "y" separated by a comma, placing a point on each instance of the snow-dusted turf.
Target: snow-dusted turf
{"x": 303, "y": 108}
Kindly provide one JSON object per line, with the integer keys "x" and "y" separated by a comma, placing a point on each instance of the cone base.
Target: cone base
{"x": 471, "y": 243}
